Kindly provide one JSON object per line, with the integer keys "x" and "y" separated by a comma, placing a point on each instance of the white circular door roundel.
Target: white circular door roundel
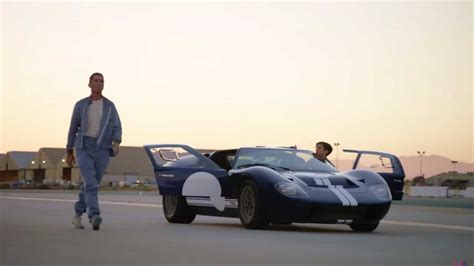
{"x": 202, "y": 184}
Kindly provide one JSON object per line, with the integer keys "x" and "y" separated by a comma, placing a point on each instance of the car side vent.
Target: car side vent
{"x": 342, "y": 181}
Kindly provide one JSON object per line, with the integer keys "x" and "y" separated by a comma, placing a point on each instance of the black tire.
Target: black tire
{"x": 364, "y": 227}
{"x": 251, "y": 209}
{"x": 176, "y": 209}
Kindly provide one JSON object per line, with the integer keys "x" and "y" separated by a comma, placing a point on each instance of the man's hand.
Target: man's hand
{"x": 116, "y": 147}
{"x": 70, "y": 160}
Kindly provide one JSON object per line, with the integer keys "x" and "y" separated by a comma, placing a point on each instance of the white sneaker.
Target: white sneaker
{"x": 77, "y": 222}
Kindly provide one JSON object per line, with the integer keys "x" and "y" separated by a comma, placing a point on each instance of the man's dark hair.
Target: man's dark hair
{"x": 95, "y": 74}
{"x": 326, "y": 146}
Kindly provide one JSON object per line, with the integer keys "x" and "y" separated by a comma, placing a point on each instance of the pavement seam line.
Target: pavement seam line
{"x": 101, "y": 202}
{"x": 431, "y": 225}
{"x": 443, "y": 226}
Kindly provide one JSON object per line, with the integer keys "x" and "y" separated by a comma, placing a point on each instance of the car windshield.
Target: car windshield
{"x": 281, "y": 159}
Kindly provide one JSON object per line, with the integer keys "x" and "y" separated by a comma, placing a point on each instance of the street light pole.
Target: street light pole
{"x": 37, "y": 175}
{"x": 454, "y": 177}
{"x": 337, "y": 154}
{"x": 42, "y": 174}
{"x": 420, "y": 153}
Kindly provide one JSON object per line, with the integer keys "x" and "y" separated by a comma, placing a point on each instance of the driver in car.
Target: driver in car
{"x": 323, "y": 149}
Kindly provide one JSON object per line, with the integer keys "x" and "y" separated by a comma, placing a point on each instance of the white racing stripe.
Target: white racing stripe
{"x": 348, "y": 195}
{"x": 403, "y": 223}
{"x": 200, "y": 202}
{"x": 318, "y": 181}
{"x": 338, "y": 194}
{"x": 206, "y": 202}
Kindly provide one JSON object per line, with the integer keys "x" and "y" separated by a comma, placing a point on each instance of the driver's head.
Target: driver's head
{"x": 323, "y": 149}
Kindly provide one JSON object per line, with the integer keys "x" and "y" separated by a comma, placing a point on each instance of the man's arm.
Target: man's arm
{"x": 116, "y": 133}
{"x": 71, "y": 136}
{"x": 117, "y": 128}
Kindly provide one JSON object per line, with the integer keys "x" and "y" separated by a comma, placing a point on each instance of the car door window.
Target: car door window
{"x": 179, "y": 157}
{"x": 376, "y": 163}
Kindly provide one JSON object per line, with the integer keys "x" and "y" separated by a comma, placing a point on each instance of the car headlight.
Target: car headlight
{"x": 380, "y": 191}
{"x": 290, "y": 190}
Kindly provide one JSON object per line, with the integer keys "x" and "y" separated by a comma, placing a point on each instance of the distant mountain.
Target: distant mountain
{"x": 432, "y": 165}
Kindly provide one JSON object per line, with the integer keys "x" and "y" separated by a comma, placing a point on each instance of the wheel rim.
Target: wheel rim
{"x": 247, "y": 204}
{"x": 171, "y": 203}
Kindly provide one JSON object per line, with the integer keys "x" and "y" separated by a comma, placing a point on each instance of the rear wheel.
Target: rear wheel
{"x": 176, "y": 209}
{"x": 251, "y": 209}
{"x": 364, "y": 227}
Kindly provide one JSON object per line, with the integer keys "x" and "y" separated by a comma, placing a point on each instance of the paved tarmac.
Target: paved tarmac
{"x": 35, "y": 229}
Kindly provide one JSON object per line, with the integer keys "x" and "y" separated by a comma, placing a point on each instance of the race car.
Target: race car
{"x": 262, "y": 185}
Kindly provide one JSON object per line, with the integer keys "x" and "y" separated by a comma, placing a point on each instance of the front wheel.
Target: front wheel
{"x": 364, "y": 227}
{"x": 176, "y": 209}
{"x": 251, "y": 209}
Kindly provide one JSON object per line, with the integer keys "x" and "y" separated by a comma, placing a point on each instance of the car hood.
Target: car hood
{"x": 313, "y": 179}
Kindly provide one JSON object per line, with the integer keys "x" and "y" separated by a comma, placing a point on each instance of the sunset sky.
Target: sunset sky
{"x": 395, "y": 77}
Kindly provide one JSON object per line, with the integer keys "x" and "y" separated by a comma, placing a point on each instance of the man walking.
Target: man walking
{"x": 96, "y": 133}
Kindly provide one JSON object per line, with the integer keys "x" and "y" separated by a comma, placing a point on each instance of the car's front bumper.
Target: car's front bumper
{"x": 302, "y": 211}
{"x": 347, "y": 214}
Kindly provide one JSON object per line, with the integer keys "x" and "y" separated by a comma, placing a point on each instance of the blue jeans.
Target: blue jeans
{"x": 92, "y": 161}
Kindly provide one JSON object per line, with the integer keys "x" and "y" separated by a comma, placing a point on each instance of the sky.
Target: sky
{"x": 389, "y": 76}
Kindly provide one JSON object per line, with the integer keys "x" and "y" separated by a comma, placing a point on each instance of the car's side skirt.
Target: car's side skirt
{"x": 207, "y": 206}
{"x": 211, "y": 211}
{"x": 209, "y": 202}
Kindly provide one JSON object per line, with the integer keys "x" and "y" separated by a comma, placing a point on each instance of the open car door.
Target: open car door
{"x": 181, "y": 170}
{"x": 386, "y": 165}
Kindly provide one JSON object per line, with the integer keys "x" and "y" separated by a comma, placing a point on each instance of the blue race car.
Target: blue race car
{"x": 274, "y": 185}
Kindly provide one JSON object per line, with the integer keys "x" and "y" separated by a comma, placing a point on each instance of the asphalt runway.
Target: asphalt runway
{"x": 36, "y": 229}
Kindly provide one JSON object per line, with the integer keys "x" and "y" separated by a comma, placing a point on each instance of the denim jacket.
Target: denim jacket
{"x": 110, "y": 126}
